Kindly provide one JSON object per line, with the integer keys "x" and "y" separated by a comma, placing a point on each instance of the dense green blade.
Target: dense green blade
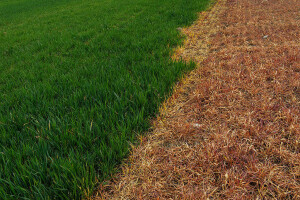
{"x": 78, "y": 80}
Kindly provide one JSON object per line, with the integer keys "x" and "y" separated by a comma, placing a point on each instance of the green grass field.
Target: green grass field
{"x": 78, "y": 80}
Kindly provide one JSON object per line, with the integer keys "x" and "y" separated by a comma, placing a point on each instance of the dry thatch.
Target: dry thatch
{"x": 231, "y": 128}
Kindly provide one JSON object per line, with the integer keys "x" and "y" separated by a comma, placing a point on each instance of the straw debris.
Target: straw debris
{"x": 231, "y": 128}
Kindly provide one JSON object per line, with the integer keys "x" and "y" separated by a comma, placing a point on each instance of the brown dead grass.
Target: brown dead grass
{"x": 231, "y": 128}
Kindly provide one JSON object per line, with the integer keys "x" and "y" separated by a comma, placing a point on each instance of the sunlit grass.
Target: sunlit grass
{"x": 78, "y": 80}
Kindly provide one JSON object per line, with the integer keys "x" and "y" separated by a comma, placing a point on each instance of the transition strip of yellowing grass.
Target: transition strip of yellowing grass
{"x": 231, "y": 128}
{"x": 204, "y": 27}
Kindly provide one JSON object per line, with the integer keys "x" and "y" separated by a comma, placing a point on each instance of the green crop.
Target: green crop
{"x": 79, "y": 79}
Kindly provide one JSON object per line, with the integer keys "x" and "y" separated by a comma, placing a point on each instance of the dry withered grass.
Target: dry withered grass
{"x": 231, "y": 128}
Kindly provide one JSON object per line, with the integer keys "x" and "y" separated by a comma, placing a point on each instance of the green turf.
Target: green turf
{"x": 78, "y": 80}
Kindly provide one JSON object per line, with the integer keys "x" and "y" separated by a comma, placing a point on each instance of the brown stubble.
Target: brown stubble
{"x": 231, "y": 128}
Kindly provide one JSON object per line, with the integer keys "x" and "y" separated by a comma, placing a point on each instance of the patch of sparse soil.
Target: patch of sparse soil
{"x": 231, "y": 128}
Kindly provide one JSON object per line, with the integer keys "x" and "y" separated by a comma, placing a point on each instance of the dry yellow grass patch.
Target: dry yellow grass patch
{"x": 231, "y": 128}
